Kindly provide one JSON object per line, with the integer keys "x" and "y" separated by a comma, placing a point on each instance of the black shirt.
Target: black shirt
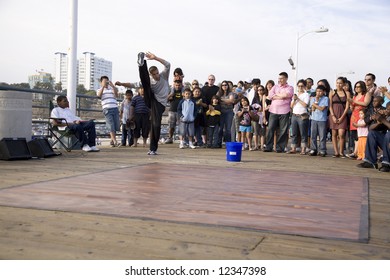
{"x": 208, "y": 92}
{"x": 177, "y": 96}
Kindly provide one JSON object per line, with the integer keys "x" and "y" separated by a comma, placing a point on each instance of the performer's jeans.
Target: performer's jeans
{"x": 156, "y": 108}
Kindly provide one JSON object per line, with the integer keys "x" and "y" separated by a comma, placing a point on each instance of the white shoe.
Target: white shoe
{"x": 87, "y": 148}
{"x": 94, "y": 149}
{"x": 181, "y": 146}
{"x": 192, "y": 146}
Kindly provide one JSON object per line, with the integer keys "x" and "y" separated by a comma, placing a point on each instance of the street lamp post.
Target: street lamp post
{"x": 320, "y": 30}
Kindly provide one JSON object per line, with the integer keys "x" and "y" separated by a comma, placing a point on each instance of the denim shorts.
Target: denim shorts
{"x": 173, "y": 118}
{"x": 112, "y": 119}
{"x": 245, "y": 128}
{"x": 187, "y": 129}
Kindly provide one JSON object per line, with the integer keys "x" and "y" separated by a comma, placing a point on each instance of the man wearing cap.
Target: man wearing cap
{"x": 281, "y": 96}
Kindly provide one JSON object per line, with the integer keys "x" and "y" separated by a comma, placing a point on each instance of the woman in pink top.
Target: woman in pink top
{"x": 360, "y": 101}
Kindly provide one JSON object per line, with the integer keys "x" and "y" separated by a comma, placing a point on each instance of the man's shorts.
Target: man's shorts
{"x": 173, "y": 118}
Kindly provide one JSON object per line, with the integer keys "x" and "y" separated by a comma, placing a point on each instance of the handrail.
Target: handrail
{"x": 42, "y": 119}
{"x": 100, "y": 131}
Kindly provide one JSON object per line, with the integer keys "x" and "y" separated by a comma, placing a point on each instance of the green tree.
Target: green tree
{"x": 81, "y": 89}
{"x": 21, "y": 85}
{"x": 58, "y": 87}
{"x": 45, "y": 86}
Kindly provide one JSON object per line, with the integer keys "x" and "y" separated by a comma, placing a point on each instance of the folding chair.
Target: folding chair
{"x": 61, "y": 135}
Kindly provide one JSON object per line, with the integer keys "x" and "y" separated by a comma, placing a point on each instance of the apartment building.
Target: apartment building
{"x": 89, "y": 69}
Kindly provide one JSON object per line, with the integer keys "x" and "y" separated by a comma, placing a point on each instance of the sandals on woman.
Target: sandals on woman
{"x": 113, "y": 144}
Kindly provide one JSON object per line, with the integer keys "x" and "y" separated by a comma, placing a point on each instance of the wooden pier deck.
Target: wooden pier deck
{"x": 40, "y": 221}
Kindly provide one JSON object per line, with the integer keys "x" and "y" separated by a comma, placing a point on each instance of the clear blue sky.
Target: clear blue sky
{"x": 232, "y": 39}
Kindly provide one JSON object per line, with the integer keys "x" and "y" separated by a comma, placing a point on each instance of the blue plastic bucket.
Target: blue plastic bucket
{"x": 233, "y": 151}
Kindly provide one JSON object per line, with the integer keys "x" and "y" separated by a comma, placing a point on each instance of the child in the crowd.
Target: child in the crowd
{"x": 124, "y": 113}
{"x": 319, "y": 117}
{"x": 245, "y": 115}
{"x": 140, "y": 113}
{"x": 362, "y": 132}
{"x": 186, "y": 111}
{"x": 200, "y": 122}
{"x": 257, "y": 126}
{"x": 213, "y": 116}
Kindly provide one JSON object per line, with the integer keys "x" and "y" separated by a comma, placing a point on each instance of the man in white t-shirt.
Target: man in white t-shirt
{"x": 75, "y": 124}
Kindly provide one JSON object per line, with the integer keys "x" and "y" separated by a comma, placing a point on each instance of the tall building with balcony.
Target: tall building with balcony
{"x": 91, "y": 68}
{"x": 61, "y": 69}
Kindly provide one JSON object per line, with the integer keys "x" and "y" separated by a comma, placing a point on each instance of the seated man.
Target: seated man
{"x": 378, "y": 137}
{"x": 75, "y": 124}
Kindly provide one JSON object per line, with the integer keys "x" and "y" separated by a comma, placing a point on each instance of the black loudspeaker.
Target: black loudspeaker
{"x": 14, "y": 148}
{"x": 40, "y": 147}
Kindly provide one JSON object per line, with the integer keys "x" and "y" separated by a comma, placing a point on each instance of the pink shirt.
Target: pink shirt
{"x": 362, "y": 131}
{"x": 281, "y": 106}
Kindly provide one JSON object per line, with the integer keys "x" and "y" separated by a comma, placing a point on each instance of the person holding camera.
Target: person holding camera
{"x": 108, "y": 94}
{"x": 300, "y": 118}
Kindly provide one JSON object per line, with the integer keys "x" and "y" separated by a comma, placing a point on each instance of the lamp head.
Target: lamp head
{"x": 291, "y": 63}
{"x": 321, "y": 30}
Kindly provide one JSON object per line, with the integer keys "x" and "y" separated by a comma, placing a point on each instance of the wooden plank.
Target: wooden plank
{"x": 289, "y": 247}
{"x": 295, "y": 203}
{"x": 107, "y": 237}
{"x": 205, "y": 242}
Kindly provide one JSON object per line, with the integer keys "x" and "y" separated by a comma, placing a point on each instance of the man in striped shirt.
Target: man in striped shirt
{"x": 108, "y": 94}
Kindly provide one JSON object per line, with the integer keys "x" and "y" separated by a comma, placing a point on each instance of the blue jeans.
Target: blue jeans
{"x": 377, "y": 139}
{"x": 225, "y": 125}
{"x": 276, "y": 121}
{"x": 212, "y": 136}
{"x": 127, "y": 134}
{"x": 299, "y": 126}
{"x": 235, "y": 128}
{"x": 80, "y": 129}
{"x": 318, "y": 129}
{"x": 112, "y": 119}
{"x": 198, "y": 135}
